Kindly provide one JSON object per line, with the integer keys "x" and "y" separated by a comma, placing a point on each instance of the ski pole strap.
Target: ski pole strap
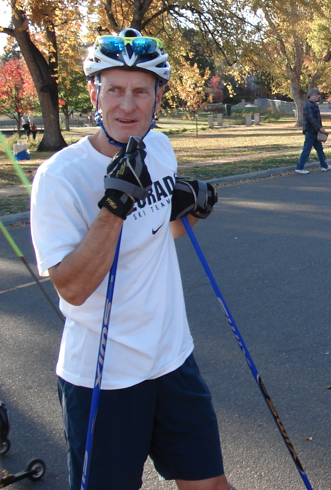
{"x": 121, "y": 185}
{"x": 202, "y": 194}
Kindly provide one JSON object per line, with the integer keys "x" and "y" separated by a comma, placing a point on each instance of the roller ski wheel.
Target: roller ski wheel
{"x": 5, "y": 446}
{"x": 39, "y": 468}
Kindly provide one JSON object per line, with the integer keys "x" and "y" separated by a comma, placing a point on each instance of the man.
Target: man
{"x": 153, "y": 400}
{"x": 27, "y": 128}
{"x": 312, "y": 125}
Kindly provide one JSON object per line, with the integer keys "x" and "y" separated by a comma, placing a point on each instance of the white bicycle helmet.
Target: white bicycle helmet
{"x": 129, "y": 50}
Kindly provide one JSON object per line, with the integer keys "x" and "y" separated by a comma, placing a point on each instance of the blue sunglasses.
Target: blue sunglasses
{"x": 140, "y": 45}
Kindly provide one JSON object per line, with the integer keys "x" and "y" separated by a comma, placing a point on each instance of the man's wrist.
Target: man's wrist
{"x": 108, "y": 217}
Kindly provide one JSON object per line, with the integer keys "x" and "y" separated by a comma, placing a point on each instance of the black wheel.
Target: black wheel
{"x": 39, "y": 468}
{"x": 5, "y": 446}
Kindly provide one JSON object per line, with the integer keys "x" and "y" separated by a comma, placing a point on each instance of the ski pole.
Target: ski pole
{"x": 131, "y": 147}
{"x": 21, "y": 256}
{"x": 25, "y": 181}
{"x": 99, "y": 369}
{"x": 246, "y": 353}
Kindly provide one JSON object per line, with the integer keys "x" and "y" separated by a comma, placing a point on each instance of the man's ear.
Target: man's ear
{"x": 159, "y": 95}
{"x": 92, "y": 88}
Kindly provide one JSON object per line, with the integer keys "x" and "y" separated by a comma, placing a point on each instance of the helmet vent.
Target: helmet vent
{"x": 129, "y": 32}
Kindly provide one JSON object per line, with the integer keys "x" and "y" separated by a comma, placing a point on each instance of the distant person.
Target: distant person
{"x": 34, "y": 131}
{"x": 21, "y": 151}
{"x": 27, "y": 128}
{"x": 312, "y": 125}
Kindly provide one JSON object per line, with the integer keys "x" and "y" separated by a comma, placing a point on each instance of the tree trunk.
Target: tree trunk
{"x": 18, "y": 124}
{"x": 300, "y": 98}
{"x": 67, "y": 120}
{"x": 65, "y": 111}
{"x": 44, "y": 79}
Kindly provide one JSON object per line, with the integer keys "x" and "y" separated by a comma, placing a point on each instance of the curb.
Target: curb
{"x": 12, "y": 219}
{"x": 261, "y": 174}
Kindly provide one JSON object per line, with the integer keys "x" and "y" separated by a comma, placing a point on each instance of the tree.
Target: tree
{"x": 216, "y": 89}
{"x": 168, "y": 20}
{"x": 35, "y": 27}
{"x": 38, "y": 26}
{"x": 18, "y": 95}
{"x": 197, "y": 53}
{"x": 74, "y": 96}
{"x": 73, "y": 91}
{"x": 291, "y": 43}
{"x": 11, "y": 51}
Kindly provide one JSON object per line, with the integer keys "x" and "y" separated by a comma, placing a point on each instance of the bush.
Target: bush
{"x": 12, "y": 140}
{"x": 272, "y": 115}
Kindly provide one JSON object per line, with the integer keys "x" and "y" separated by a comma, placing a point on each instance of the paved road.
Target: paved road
{"x": 268, "y": 245}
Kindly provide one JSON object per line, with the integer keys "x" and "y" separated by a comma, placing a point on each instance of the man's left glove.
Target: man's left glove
{"x": 127, "y": 179}
{"x": 192, "y": 196}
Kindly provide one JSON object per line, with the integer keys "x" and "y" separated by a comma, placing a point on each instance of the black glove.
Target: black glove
{"x": 127, "y": 179}
{"x": 192, "y": 196}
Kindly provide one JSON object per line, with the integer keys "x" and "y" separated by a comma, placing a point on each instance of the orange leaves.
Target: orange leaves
{"x": 17, "y": 92}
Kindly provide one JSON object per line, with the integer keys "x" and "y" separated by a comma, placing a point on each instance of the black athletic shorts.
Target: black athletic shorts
{"x": 170, "y": 418}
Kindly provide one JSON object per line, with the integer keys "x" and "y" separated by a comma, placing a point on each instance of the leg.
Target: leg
{"x": 121, "y": 438}
{"x": 218, "y": 483}
{"x": 308, "y": 144}
{"x": 186, "y": 445}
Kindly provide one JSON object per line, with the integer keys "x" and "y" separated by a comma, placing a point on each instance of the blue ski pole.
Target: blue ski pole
{"x": 246, "y": 353}
{"x": 131, "y": 147}
{"x": 99, "y": 369}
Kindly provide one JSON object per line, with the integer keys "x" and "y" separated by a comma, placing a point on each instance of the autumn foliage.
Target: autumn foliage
{"x": 18, "y": 96}
{"x": 216, "y": 89}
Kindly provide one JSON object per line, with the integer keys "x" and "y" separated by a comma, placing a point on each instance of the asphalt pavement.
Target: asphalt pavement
{"x": 268, "y": 246}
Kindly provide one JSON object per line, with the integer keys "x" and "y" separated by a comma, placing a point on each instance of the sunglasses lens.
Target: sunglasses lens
{"x": 143, "y": 46}
{"x": 111, "y": 45}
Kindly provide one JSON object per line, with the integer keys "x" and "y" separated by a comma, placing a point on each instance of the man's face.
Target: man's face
{"x": 315, "y": 97}
{"x": 127, "y": 102}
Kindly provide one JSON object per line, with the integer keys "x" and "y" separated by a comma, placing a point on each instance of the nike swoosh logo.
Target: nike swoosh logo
{"x": 157, "y": 229}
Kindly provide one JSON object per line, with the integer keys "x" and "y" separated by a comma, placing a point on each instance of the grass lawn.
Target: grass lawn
{"x": 206, "y": 154}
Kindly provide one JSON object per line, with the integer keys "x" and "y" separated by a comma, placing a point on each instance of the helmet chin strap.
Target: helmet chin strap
{"x": 98, "y": 119}
{"x": 153, "y": 114}
{"x": 99, "y": 122}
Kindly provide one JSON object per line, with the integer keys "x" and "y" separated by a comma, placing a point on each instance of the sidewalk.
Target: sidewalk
{"x": 17, "y": 190}
{"x": 267, "y": 244}
{"x": 219, "y": 182}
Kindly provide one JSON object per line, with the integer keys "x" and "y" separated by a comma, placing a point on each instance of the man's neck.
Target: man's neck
{"x": 100, "y": 143}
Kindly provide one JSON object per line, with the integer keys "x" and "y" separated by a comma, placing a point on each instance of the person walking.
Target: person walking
{"x": 27, "y": 128}
{"x": 153, "y": 400}
{"x": 34, "y": 131}
{"x": 312, "y": 125}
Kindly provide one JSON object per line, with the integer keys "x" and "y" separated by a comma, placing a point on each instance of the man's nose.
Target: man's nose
{"x": 128, "y": 103}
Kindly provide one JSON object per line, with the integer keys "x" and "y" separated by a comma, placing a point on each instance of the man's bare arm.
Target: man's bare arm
{"x": 178, "y": 228}
{"x": 82, "y": 271}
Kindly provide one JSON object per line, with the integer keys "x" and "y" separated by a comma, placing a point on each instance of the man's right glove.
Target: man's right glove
{"x": 127, "y": 179}
{"x": 192, "y": 196}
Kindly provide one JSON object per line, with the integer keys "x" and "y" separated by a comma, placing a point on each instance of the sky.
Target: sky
{"x": 5, "y": 20}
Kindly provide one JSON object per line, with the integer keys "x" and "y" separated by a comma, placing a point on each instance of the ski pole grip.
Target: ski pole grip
{"x": 133, "y": 144}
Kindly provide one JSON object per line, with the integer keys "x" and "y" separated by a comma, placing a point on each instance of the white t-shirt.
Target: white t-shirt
{"x": 148, "y": 332}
